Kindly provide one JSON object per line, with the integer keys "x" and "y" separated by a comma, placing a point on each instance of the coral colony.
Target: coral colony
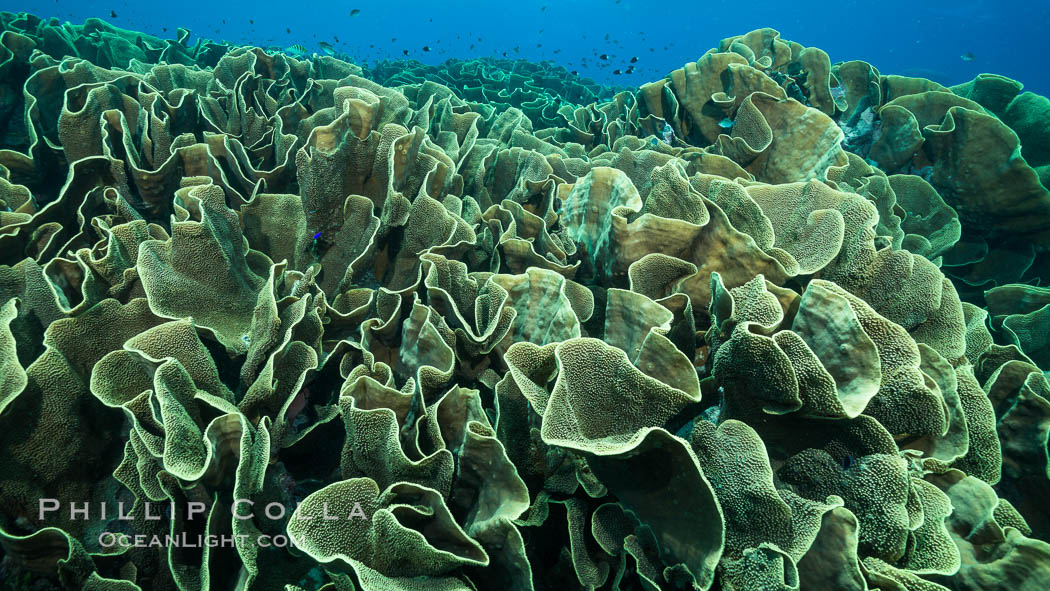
{"x": 769, "y": 322}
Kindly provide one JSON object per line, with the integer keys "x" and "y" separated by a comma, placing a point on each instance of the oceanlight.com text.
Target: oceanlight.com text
{"x": 122, "y": 540}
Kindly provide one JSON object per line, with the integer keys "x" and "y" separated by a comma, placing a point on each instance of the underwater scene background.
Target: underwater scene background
{"x": 473, "y": 296}
{"x": 947, "y": 41}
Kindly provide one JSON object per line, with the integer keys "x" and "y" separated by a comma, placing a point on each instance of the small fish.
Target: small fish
{"x": 967, "y": 57}
{"x": 426, "y": 48}
{"x": 617, "y": 72}
{"x": 634, "y": 60}
{"x": 404, "y": 51}
{"x": 847, "y": 462}
{"x": 603, "y": 56}
{"x": 288, "y": 30}
{"x": 355, "y": 12}
{"x": 317, "y": 236}
{"x": 574, "y": 73}
{"x": 251, "y": 21}
{"x": 726, "y": 123}
{"x": 113, "y": 14}
{"x": 297, "y": 49}
{"x": 326, "y": 48}
{"x": 667, "y": 133}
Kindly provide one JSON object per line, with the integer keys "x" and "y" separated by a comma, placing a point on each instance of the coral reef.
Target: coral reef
{"x": 542, "y": 91}
{"x": 728, "y": 330}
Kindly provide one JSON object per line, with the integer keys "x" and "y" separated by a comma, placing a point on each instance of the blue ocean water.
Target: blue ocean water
{"x": 925, "y": 38}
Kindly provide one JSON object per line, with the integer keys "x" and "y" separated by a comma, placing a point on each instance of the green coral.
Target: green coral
{"x": 770, "y": 322}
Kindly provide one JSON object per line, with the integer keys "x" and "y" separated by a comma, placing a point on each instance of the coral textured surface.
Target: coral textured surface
{"x": 277, "y": 321}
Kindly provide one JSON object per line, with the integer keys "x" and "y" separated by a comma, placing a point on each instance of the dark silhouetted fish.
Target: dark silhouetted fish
{"x": 426, "y": 48}
{"x": 634, "y": 60}
{"x": 355, "y": 12}
{"x": 967, "y": 57}
{"x": 113, "y": 14}
{"x": 326, "y": 48}
{"x": 603, "y": 56}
